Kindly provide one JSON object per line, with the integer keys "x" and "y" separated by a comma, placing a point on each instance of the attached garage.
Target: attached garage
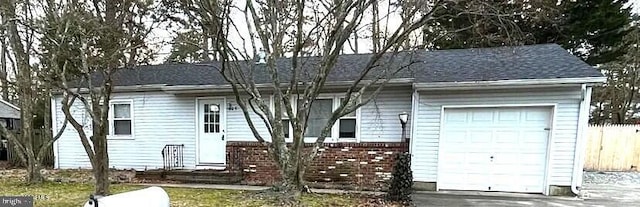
{"x": 494, "y": 148}
{"x": 524, "y": 140}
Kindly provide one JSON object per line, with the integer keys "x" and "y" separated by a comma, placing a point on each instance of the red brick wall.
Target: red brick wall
{"x": 365, "y": 165}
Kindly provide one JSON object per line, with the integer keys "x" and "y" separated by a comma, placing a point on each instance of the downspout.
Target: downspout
{"x": 578, "y": 162}
{"x": 414, "y": 116}
{"x": 54, "y": 129}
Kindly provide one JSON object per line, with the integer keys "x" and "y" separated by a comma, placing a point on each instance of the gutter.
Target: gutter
{"x": 578, "y": 162}
{"x": 186, "y": 89}
{"x": 522, "y": 83}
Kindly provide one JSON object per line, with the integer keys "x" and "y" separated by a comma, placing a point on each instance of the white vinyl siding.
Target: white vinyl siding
{"x": 159, "y": 119}
{"x": 379, "y": 118}
{"x": 427, "y": 132}
{"x": 237, "y": 126}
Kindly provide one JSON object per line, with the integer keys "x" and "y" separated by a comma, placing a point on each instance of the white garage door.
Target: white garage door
{"x": 494, "y": 149}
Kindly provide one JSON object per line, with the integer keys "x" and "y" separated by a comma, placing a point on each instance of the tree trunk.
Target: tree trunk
{"x": 101, "y": 165}
{"x": 292, "y": 166}
{"x": 292, "y": 172}
{"x": 101, "y": 175}
{"x": 33, "y": 170}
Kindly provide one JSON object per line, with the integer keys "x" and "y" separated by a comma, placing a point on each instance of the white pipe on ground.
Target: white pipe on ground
{"x": 149, "y": 197}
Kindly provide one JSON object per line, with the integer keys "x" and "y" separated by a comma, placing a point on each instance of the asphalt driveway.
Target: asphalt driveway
{"x": 599, "y": 189}
{"x": 509, "y": 200}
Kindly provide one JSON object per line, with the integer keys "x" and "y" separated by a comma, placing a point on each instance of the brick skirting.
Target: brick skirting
{"x": 366, "y": 165}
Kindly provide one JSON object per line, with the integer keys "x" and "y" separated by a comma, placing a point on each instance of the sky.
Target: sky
{"x": 161, "y": 37}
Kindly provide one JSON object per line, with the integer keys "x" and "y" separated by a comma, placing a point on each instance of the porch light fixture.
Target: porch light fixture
{"x": 404, "y": 118}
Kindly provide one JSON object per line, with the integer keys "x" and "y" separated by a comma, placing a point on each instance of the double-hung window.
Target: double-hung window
{"x": 344, "y": 129}
{"x": 319, "y": 113}
{"x": 120, "y": 118}
{"x": 347, "y": 125}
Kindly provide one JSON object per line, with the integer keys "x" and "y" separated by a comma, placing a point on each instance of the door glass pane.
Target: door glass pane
{"x": 319, "y": 114}
{"x": 347, "y": 128}
{"x": 211, "y": 118}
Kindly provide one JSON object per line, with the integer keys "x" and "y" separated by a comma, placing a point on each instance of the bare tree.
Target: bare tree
{"x": 17, "y": 29}
{"x": 85, "y": 44}
{"x": 284, "y": 29}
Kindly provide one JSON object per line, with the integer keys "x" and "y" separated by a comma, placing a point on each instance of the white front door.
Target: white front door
{"x": 211, "y": 132}
{"x": 494, "y": 149}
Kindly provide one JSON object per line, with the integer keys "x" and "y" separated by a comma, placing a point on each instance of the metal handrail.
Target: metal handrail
{"x": 173, "y": 156}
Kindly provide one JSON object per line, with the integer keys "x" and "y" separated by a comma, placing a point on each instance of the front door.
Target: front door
{"x": 211, "y": 128}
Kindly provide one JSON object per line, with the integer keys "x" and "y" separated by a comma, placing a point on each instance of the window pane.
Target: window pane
{"x": 121, "y": 111}
{"x": 207, "y": 108}
{"x": 352, "y": 114}
{"x": 285, "y": 127}
{"x": 347, "y": 128}
{"x": 122, "y": 127}
{"x": 318, "y": 116}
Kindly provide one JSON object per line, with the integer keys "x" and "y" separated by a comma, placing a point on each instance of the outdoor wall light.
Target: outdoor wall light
{"x": 262, "y": 57}
{"x": 404, "y": 118}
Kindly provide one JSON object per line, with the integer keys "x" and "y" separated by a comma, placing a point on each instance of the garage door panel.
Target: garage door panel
{"x": 454, "y": 137}
{"x": 481, "y": 116}
{"x": 514, "y": 136}
{"x": 536, "y": 115}
{"x": 456, "y": 117}
{"x": 480, "y": 136}
{"x": 506, "y": 136}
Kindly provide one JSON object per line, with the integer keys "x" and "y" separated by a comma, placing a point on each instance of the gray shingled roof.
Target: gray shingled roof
{"x": 545, "y": 61}
{"x": 8, "y": 110}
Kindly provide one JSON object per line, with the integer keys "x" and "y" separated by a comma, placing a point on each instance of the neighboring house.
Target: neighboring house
{"x": 489, "y": 119}
{"x": 10, "y": 118}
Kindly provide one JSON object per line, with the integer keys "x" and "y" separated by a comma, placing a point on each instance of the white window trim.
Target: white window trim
{"x": 335, "y": 129}
{"x": 111, "y": 119}
{"x": 336, "y": 126}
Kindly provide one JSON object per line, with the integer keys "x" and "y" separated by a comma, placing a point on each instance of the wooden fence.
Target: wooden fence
{"x": 613, "y": 148}
{"x": 48, "y": 159}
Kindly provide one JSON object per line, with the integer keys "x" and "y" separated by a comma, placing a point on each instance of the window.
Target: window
{"x": 211, "y": 118}
{"x": 120, "y": 121}
{"x": 345, "y": 128}
{"x": 347, "y": 125}
{"x": 285, "y": 127}
{"x": 319, "y": 114}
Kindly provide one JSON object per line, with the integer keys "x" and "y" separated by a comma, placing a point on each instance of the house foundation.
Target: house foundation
{"x": 363, "y": 166}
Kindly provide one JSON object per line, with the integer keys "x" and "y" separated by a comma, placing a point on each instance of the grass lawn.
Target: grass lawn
{"x": 53, "y": 194}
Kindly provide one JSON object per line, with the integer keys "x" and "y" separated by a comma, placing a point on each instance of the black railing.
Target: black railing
{"x": 173, "y": 156}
